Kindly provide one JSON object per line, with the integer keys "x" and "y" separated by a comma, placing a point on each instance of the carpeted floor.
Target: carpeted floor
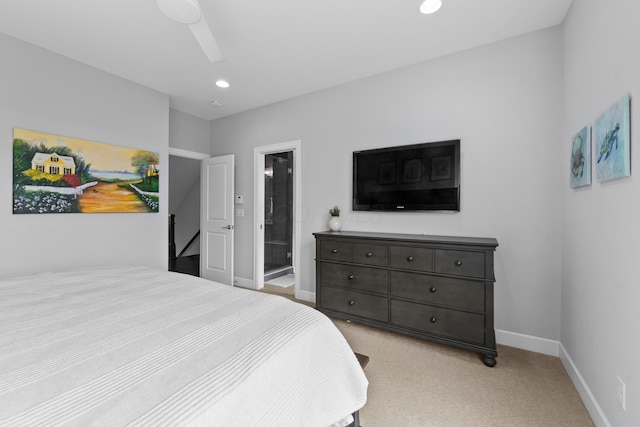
{"x": 413, "y": 382}
{"x": 416, "y": 383}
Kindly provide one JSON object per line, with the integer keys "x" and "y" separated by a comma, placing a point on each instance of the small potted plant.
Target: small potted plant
{"x": 334, "y": 221}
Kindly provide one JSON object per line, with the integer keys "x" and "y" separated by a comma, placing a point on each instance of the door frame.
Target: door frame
{"x": 259, "y": 154}
{"x": 179, "y": 152}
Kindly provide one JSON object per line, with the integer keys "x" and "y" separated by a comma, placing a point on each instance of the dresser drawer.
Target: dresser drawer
{"x": 460, "y": 263}
{"x": 456, "y": 293}
{"x": 363, "y": 253}
{"x": 335, "y": 250}
{"x": 355, "y": 278}
{"x": 440, "y": 321}
{"x": 410, "y": 258}
{"x": 355, "y": 303}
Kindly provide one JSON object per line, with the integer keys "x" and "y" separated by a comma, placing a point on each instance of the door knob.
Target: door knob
{"x": 228, "y": 227}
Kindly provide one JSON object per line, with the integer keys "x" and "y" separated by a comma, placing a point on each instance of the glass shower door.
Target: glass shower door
{"x": 278, "y": 214}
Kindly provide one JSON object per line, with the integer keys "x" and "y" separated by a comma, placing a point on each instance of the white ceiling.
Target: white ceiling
{"x": 273, "y": 49}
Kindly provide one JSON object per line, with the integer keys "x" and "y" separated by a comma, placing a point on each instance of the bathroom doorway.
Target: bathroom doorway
{"x": 262, "y": 205}
{"x": 278, "y": 218}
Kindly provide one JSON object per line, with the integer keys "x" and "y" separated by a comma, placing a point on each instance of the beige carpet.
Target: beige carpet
{"x": 413, "y": 382}
{"x": 417, "y": 383}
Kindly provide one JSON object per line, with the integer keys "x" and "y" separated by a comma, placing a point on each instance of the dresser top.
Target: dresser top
{"x": 399, "y": 237}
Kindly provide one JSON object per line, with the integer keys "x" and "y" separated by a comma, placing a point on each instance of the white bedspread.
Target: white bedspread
{"x": 136, "y": 346}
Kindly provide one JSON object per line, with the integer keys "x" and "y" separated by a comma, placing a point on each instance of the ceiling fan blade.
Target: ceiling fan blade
{"x": 203, "y": 35}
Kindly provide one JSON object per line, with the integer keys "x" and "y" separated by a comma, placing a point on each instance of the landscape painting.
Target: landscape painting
{"x": 57, "y": 174}
{"x": 581, "y": 158}
{"x": 612, "y": 139}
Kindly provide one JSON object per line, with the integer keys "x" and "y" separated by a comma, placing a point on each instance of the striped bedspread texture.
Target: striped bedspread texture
{"x": 123, "y": 345}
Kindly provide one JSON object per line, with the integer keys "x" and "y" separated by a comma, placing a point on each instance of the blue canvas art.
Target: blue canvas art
{"x": 581, "y": 158}
{"x": 612, "y": 139}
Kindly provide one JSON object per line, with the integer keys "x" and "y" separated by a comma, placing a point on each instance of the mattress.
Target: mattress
{"x": 126, "y": 345}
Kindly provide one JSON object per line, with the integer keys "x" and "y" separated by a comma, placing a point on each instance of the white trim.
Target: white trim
{"x": 306, "y": 296}
{"x": 589, "y": 400}
{"x": 258, "y": 214}
{"x": 179, "y": 152}
{"x": 243, "y": 282}
{"x": 528, "y": 342}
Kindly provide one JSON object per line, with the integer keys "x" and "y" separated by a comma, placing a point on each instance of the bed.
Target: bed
{"x": 124, "y": 345}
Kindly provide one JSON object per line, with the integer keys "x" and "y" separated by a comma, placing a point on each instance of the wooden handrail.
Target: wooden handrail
{"x": 195, "y": 236}
{"x": 172, "y": 236}
{"x": 172, "y": 239}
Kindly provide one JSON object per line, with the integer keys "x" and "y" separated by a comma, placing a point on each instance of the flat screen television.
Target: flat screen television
{"x": 415, "y": 177}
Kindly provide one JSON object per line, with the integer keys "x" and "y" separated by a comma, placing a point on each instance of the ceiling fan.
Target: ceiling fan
{"x": 189, "y": 12}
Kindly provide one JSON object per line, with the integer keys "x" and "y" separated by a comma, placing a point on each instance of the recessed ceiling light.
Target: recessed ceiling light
{"x": 215, "y": 103}
{"x": 430, "y": 6}
{"x": 182, "y": 11}
{"x": 222, "y": 83}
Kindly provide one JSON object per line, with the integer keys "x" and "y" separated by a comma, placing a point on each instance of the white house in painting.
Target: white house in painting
{"x": 53, "y": 164}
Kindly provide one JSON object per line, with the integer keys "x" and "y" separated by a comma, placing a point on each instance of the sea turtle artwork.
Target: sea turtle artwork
{"x": 577, "y": 156}
{"x": 607, "y": 144}
{"x": 580, "y": 162}
{"x": 612, "y": 141}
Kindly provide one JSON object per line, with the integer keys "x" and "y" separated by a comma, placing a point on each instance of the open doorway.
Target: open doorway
{"x": 278, "y": 220}
{"x": 184, "y": 210}
{"x": 277, "y": 217}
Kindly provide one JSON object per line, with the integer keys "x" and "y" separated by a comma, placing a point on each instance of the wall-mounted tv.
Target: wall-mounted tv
{"x": 408, "y": 178}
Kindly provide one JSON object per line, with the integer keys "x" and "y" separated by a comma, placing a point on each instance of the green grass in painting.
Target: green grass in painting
{"x": 150, "y": 184}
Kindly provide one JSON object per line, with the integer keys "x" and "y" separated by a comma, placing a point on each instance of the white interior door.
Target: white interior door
{"x": 216, "y": 219}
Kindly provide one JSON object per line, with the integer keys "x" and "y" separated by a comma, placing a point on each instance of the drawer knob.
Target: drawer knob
{"x": 369, "y": 254}
{"x": 433, "y": 319}
{"x": 352, "y": 302}
{"x": 334, "y": 251}
{"x": 433, "y": 289}
{"x": 350, "y": 277}
{"x": 458, "y": 263}
{"x": 409, "y": 258}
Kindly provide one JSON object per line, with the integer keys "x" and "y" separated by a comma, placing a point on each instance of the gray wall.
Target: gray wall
{"x": 189, "y": 132}
{"x": 46, "y": 92}
{"x": 502, "y": 100}
{"x": 600, "y": 232}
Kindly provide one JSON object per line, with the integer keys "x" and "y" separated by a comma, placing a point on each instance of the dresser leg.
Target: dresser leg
{"x": 488, "y": 360}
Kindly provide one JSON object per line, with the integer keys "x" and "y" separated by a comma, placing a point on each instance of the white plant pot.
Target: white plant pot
{"x": 334, "y": 223}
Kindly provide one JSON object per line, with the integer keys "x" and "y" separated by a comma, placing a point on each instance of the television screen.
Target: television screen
{"x": 408, "y": 178}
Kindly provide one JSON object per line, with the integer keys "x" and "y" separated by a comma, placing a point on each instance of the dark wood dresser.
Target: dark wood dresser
{"x": 432, "y": 287}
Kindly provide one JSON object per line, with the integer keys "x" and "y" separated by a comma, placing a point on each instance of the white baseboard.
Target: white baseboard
{"x": 528, "y": 342}
{"x": 555, "y": 348}
{"x": 589, "y": 400}
{"x": 243, "y": 283}
{"x": 305, "y": 295}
